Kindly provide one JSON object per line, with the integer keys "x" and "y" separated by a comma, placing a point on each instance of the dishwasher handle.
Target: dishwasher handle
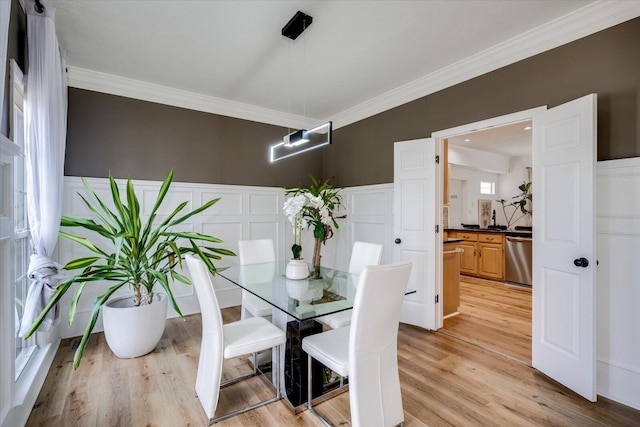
{"x": 519, "y": 239}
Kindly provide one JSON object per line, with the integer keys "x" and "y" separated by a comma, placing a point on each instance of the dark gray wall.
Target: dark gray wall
{"x": 143, "y": 140}
{"x": 606, "y": 63}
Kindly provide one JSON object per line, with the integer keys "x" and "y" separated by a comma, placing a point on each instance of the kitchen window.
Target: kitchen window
{"x": 487, "y": 187}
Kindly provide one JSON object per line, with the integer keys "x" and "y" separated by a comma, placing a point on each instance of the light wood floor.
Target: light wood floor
{"x": 495, "y": 316}
{"x": 444, "y": 381}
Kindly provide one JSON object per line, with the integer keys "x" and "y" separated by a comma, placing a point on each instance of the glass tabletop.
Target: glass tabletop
{"x": 301, "y": 299}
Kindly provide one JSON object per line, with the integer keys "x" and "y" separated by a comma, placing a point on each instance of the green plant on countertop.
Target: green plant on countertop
{"x": 519, "y": 203}
{"x": 129, "y": 252}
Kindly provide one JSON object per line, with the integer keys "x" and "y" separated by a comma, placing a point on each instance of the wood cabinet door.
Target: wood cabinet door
{"x": 468, "y": 259}
{"x": 491, "y": 261}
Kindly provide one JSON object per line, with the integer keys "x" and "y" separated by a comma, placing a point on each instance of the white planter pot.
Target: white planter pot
{"x": 134, "y": 331}
{"x": 297, "y": 269}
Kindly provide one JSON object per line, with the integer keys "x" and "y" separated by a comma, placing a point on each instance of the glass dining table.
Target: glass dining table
{"x": 297, "y": 304}
{"x": 304, "y": 299}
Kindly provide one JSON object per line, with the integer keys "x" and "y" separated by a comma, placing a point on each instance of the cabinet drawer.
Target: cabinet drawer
{"x": 469, "y": 237}
{"x": 490, "y": 238}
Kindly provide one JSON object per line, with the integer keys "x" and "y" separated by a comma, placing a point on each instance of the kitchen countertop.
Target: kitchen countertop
{"x": 518, "y": 233}
{"x": 451, "y": 240}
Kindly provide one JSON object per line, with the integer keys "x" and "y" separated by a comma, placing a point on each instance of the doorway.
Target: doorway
{"x": 563, "y": 292}
{"x": 487, "y": 169}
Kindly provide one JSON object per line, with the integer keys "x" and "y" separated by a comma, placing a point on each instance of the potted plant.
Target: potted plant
{"x": 296, "y": 268}
{"x": 135, "y": 253}
{"x": 519, "y": 203}
{"x": 315, "y": 208}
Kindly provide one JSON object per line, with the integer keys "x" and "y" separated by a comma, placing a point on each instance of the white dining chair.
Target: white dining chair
{"x": 255, "y": 252}
{"x": 225, "y": 341}
{"x": 367, "y": 350}
{"x": 363, "y": 255}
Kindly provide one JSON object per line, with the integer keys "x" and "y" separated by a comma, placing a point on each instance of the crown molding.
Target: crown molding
{"x": 590, "y": 19}
{"x": 96, "y": 81}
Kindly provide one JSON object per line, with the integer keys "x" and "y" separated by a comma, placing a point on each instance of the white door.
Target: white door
{"x": 563, "y": 243}
{"x": 414, "y": 185}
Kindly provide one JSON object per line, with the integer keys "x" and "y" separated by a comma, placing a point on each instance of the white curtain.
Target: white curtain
{"x": 5, "y": 14}
{"x": 46, "y": 128}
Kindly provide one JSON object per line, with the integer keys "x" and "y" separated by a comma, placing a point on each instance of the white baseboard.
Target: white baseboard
{"x": 619, "y": 384}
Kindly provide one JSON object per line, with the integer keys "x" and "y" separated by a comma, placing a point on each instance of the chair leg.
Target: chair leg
{"x": 277, "y": 397}
{"x": 276, "y": 372}
{"x": 309, "y": 388}
{"x": 310, "y": 394}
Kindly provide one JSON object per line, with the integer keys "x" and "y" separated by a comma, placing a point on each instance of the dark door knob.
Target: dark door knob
{"x": 581, "y": 262}
{"x": 398, "y": 241}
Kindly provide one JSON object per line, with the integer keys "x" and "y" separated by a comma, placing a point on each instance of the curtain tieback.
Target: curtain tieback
{"x": 45, "y": 275}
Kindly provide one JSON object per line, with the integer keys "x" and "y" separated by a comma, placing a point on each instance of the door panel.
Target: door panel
{"x": 562, "y": 192}
{"x": 564, "y": 231}
{"x": 558, "y": 333}
{"x": 414, "y": 226}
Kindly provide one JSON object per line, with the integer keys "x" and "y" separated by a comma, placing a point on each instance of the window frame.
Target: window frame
{"x": 21, "y": 226}
{"x": 491, "y": 185}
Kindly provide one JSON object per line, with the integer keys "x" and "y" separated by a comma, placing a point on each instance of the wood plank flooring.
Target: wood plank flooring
{"x": 494, "y": 316}
{"x": 445, "y": 382}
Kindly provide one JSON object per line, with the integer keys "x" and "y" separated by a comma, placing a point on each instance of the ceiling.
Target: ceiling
{"x": 511, "y": 140}
{"x": 354, "y": 52}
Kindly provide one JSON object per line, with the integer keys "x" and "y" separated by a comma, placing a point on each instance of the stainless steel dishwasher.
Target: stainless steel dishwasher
{"x": 518, "y": 259}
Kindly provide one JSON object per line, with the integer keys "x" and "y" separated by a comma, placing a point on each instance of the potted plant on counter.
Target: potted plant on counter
{"x": 519, "y": 203}
{"x": 130, "y": 252}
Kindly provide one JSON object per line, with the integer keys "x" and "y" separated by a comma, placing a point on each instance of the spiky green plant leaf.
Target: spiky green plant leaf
{"x": 137, "y": 254}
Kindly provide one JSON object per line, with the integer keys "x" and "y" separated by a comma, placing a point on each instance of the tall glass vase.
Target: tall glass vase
{"x": 315, "y": 273}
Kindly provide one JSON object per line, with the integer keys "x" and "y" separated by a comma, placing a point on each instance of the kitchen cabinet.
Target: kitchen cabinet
{"x": 451, "y": 278}
{"x": 483, "y": 254}
{"x": 468, "y": 258}
{"x": 490, "y": 261}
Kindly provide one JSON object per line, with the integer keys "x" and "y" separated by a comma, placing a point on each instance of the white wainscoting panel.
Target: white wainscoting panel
{"x": 256, "y": 212}
{"x": 618, "y": 289}
{"x": 369, "y": 211}
{"x": 242, "y": 213}
{"x": 370, "y": 217}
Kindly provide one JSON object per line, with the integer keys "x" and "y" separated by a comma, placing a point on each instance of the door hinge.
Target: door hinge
{"x": 437, "y": 228}
{"x": 437, "y": 299}
{"x": 437, "y": 158}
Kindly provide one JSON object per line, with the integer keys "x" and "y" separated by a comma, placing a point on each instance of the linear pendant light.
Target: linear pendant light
{"x": 317, "y": 137}
{"x": 299, "y": 141}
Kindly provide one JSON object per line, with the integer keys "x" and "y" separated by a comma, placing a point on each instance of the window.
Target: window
{"x": 24, "y": 349}
{"x": 487, "y": 187}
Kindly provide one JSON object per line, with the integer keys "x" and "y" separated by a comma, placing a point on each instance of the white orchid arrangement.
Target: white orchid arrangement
{"x": 293, "y": 209}
{"x": 312, "y": 207}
